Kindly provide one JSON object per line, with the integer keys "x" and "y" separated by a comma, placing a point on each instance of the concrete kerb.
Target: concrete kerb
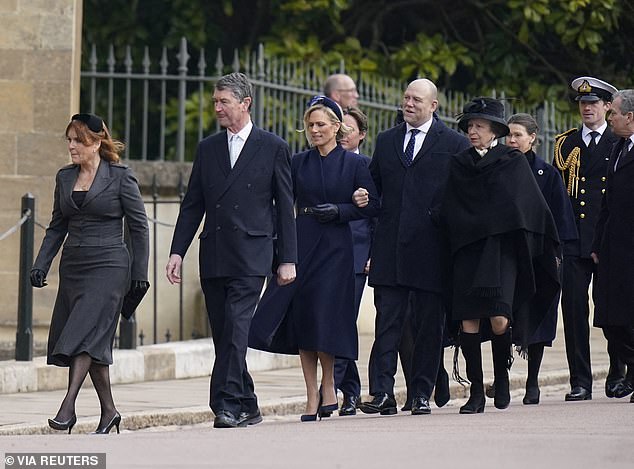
{"x": 173, "y": 360}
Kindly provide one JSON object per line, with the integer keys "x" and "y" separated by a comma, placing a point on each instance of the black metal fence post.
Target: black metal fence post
{"x": 24, "y": 335}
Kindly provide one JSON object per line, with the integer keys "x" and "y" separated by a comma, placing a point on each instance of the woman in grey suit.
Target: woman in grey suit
{"x": 92, "y": 196}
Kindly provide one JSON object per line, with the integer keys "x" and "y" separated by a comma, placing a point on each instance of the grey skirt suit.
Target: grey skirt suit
{"x": 96, "y": 266}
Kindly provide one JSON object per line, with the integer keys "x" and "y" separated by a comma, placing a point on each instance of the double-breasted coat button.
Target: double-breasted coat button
{"x": 217, "y": 205}
{"x": 603, "y": 191}
{"x": 248, "y": 186}
{"x": 583, "y": 215}
{"x": 603, "y": 178}
{"x": 235, "y": 207}
{"x": 583, "y": 179}
{"x": 217, "y": 228}
{"x": 582, "y": 203}
{"x": 583, "y": 191}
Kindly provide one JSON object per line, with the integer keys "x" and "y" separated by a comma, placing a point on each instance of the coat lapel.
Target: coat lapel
{"x": 430, "y": 140}
{"x": 223, "y": 160}
{"x": 249, "y": 151}
{"x": 397, "y": 141}
{"x": 102, "y": 180}
{"x": 67, "y": 181}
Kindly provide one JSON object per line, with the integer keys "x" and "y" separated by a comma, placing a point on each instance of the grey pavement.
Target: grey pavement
{"x": 280, "y": 392}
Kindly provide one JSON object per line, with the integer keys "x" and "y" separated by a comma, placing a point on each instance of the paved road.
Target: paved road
{"x": 554, "y": 434}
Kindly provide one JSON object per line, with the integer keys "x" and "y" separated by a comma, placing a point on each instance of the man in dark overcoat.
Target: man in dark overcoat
{"x": 582, "y": 157}
{"x": 241, "y": 183}
{"x": 613, "y": 247}
{"x": 409, "y": 167}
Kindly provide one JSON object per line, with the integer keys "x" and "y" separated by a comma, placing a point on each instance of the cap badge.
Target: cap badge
{"x": 584, "y": 87}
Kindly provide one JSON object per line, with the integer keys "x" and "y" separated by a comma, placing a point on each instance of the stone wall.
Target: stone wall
{"x": 40, "y": 44}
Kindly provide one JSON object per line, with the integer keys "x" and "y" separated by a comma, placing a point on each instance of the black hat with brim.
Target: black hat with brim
{"x": 484, "y": 108}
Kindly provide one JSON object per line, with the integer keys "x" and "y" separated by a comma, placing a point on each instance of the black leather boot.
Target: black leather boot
{"x": 470, "y": 345}
{"x": 502, "y": 360}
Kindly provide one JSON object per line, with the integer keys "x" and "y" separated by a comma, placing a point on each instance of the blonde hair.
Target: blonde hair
{"x": 332, "y": 117}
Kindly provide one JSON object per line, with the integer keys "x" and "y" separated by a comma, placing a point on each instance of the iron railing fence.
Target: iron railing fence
{"x": 161, "y": 108}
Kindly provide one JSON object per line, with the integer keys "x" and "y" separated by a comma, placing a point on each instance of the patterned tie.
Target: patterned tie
{"x": 593, "y": 143}
{"x": 233, "y": 149}
{"x": 409, "y": 150}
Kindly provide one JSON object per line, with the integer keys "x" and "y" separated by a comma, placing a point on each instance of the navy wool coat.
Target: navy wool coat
{"x": 362, "y": 233}
{"x": 552, "y": 188}
{"x": 316, "y": 312}
{"x": 613, "y": 292}
{"x": 243, "y": 207}
{"x": 407, "y": 249}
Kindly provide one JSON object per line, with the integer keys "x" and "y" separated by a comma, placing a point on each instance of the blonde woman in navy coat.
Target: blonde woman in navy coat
{"x": 92, "y": 196}
{"x": 315, "y": 316}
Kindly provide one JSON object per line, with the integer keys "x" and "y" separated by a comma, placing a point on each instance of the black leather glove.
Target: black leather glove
{"x": 38, "y": 278}
{"x": 326, "y": 212}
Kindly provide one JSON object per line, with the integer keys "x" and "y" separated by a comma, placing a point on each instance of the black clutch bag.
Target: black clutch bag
{"x": 132, "y": 299}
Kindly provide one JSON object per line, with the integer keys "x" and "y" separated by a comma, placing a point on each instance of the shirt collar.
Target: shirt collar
{"x": 243, "y": 133}
{"x": 423, "y": 128}
{"x": 585, "y": 131}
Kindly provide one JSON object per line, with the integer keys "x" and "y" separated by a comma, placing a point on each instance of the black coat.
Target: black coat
{"x": 613, "y": 292}
{"x": 362, "y": 233}
{"x": 586, "y": 200}
{"x": 407, "y": 249}
{"x": 243, "y": 207}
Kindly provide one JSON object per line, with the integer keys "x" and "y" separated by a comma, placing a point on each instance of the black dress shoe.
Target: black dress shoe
{"x": 349, "y": 406}
{"x": 622, "y": 389}
{"x": 531, "y": 396}
{"x": 249, "y": 418}
{"x": 407, "y": 406}
{"x": 632, "y": 398}
{"x": 578, "y": 394}
{"x": 382, "y": 403}
{"x": 611, "y": 387}
{"x": 226, "y": 419}
{"x": 420, "y": 406}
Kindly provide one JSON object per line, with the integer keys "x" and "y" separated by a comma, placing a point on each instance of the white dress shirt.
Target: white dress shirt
{"x": 420, "y": 136}
{"x": 585, "y": 133}
{"x": 236, "y": 145}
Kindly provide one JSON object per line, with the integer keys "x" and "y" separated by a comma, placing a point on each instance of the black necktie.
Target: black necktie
{"x": 409, "y": 150}
{"x": 593, "y": 143}
{"x": 623, "y": 155}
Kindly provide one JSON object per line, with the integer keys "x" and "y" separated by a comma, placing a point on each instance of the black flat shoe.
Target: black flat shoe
{"x": 67, "y": 425}
{"x": 531, "y": 396}
{"x": 349, "y": 405}
{"x": 578, "y": 394}
{"x": 382, "y": 403}
{"x": 420, "y": 406}
{"x": 114, "y": 422}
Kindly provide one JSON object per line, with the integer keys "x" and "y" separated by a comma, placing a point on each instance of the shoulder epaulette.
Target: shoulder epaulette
{"x": 566, "y": 133}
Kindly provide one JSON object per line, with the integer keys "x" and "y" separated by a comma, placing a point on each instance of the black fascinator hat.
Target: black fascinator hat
{"x": 484, "y": 108}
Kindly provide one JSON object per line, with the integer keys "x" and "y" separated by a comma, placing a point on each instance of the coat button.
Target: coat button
{"x": 217, "y": 205}
{"x": 603, "y": 178}
{"x": 583, "y": 179}
{"x": 248, "y": 186}
{"x": 583, "y": 191}
{"x": 235, "y": 207}
{"x": 582, "y": 203}
{"x": 603, "y": 191}
{"x": 583, "y": 215}
{"x": 540, "y": 172}
{"x": 217, "y": 228}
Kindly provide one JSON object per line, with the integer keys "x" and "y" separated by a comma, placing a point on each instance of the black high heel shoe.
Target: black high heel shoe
{"x": 312, "y": 417}
{"x": 114, "y": 422}
{"x": 327, "y": 410}
{"x": 67, "y": 425}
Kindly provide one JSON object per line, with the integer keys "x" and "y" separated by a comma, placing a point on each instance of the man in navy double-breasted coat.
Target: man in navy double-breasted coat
{"x": 241, "y": 184}
{"x": 409, "y": 168}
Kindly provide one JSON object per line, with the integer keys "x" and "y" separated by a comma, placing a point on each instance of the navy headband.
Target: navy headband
{"x": 329, "y": 103}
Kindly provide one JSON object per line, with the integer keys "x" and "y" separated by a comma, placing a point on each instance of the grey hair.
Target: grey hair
{"x": 627, "y": 100}
{"x": 239, "y": 85}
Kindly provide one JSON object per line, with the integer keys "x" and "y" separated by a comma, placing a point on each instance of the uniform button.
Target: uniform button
{"x": 603, "y": 178}
{"x": 582, "y": 203}
{"x": 583, "y": 215}
{"x": 583, "y": 179}
{"x": 583, "y": 191}
{"x": 603, "y": 191}
{"x": 217, "y": 205}
{"x": 217, "y": 228}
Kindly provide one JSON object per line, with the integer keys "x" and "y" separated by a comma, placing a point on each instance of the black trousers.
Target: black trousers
{"x": 621, "y": 338}
{"x": 428, "y": 317}
{"x": 346, "y": 372}
{"x": 577, "y": 273}
{"x": 230, "y": 305}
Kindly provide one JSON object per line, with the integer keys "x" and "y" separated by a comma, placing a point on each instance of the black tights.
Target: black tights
{"x": 535, "y": 354}
{"x": 80, "y": 366}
